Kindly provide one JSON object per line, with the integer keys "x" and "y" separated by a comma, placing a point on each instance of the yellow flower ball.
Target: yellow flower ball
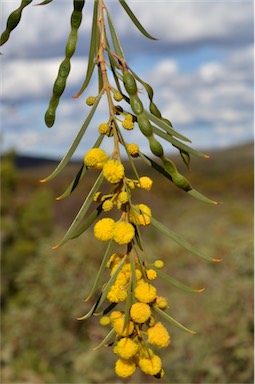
{"x": 118, "y": 324}
{"x": 159, "y": 264}
{"x": 123, "y": 232}
{"x": 113, "y": 171}
{"x": 133, "y": 149}
{"x": 142, "y": 218}
{"x": 127, "y": 124}
{"x": 117, "y": 96}
{"x": 161, "y": 302}
{"x": 107, "y": 205}
{"x": 116, "y": 315}
{"x": 151, "y": 274}
{"x": 103, "y": 229}
{"x": 123, "y": 197}
{"x": 114, "y": 260}
{"x": 145, "y": 182}
{"x": 95, "y": 158}
{"x": 158, "y": 335}
{"x": 105, "y": 320}
{"x": 124, "y": 368}
{"x": 151, "y": 366}
{"x": 140, "y": 312}
{"x": 126, "y": 348}
{"x": 145, "y": 293}
{"x": 91, "y": 100}
{"x": 129, "y": 117}
{"x": 103, "y": 128}
{"x": 116, "y": 294}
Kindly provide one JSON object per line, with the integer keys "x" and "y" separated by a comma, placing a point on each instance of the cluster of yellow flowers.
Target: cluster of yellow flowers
{"x": 134, "y": 334}
{"x": 135, "y": 329}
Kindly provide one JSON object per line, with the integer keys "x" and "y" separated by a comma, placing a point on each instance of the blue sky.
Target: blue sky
{"x": 201, "y": 70}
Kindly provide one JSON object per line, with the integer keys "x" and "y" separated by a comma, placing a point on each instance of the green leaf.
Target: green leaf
{"x": 156, "y": 120}
{"x": 75, "y": 143}
{"x": 201, "y": 197}
{"x": 176, "y": 283}
{"x": 90, "y": 313}
{"x": 110, "y": 282}
{"x": 79, "y": 175}
{"x": 74, "y": 183}
{"x": 177, "y": 143}
{"x": 90, "y": 220}
{"x": 154, "y": 165}
{"x": 128, "y": 304}
{"x": 44, "y": 2}
{"x": 135, "y": 20}
{"x": 92, "y": 50}
{"x": 115, "y": 40}
{"x": 101, "y": 269}
{"x": 82, "y": 212}
{"x": 172, "y": 321}
{"x": 179, "y": 240}
{"x": 107, "y": 338}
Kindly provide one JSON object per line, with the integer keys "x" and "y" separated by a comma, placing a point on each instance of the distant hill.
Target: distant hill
{"x": 246, "y": 150}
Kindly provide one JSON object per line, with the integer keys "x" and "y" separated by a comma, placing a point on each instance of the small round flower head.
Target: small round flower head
{"x": 91, "y": 100}
{"x": 117, "y": 96}
{"x": 116, "y": 315}
{"x": 95, "y": 158}
{"x": 151, "y": 274}
{"x": 159, "y": 264}
{"x": 123, "y": 232}
{"x": 151, "y": 366}
{"x": 117, "y": 294}
{"x": 105, "y": 320}
{"x": 145, "y": 293}
{"x": 107, "y": 205}
{"x": 127, "y": 124}
{"x": 126, "y": 348}
{"x": 142, "y": 218}
{"x": 158, "y": 335}
{"x": 129, "y": 117}
{"x": 125, "y": 368}
{"x": 145, "y": 182}
{"x": 118, "y": 327}
{"x": 160, "y": 374}
{"x": 114, "y": 260}
{"x": 133, "y": 149}
{"x": 123, "y": 197}
{"x": 103, "y": 128}
{"x": 113, "y": 171}
{"x": 140, "y": 312}
{"x": 161, "y": 302}
{"x": 103, "y": 229}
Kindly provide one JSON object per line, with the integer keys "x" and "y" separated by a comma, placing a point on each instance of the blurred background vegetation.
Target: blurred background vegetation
{"x": 43, "y": 290}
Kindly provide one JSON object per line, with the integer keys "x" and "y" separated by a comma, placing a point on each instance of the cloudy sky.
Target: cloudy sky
{"x": 201, "y": 70}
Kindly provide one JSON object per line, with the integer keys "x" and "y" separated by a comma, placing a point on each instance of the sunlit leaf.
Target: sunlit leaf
{"x": 115, "y": 40}
{"x": 179, "y": 240}
{"x": 82, "y": 212}
{"x": 172, "y": 321}
{"x": 101, "y": 269}
{"x": 175, "y": 282}
{"x": 111, "y": 282}
{"x": 92, "y": 50}
{"x": 75, "y": 143}
{"x": 106, "y": 340}
{"x": 156, "y": 120}
{"x": 135, "y": 20}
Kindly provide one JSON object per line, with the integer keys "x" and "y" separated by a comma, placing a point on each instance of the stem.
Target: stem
{"x": 106, "y": 84}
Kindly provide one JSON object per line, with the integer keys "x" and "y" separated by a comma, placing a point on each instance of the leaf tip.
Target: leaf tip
{"x": 43, "y": 180}
{"x": 200, "y": 290}
{"x": 54, "y": 247}
{"x": 217, "y": 260}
